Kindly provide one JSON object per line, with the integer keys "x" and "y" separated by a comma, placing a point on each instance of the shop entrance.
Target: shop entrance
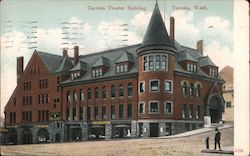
{"x": 26, "y": 136}
{"x": 43, "y": 136}
{"x": 12, "y": 133}
{"x": 96, "y": 132}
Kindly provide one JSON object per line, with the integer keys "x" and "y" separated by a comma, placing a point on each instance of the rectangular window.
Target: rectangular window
{"x": 96, "y": 112}
{"x": 141, "y": 86}
{"x": 104, "y": 112}
{"x": 121, "y": 68}
{"x": 195, "y": 68}
{"x": 121, "y": 111}
{"x": 74, "y": 114}
{"x": 100, "y": 71}
{"x": 47, "y": 115}
{"x": 10, "y": 121}
{"x": 112, "y": 91}
{"x": 168, "y": 86}
{"x": 198, "y": 112}
{"x": 188, "y": 67}
{"x": 228, "y": 104}
{"x": 30, "y": 116}
{"x": 125, "y": 68}
{"x": 191, "y": 111}
{"x": 145, "y": 63}
{"x": 93, "y": 73}
{"x": 164, "y": 62}
{"x": 81, "y": 113}
{"x": 157, "y": 62}
{"x": 129, "y": 111}
{"x": 141, "y": 107}
{"x": 151, "y": 62}
{"x": 117, "y": 69}
{"x": 154, "y": 85}
{"x": 154, "y": 107}
{"x": 184, "y": 108}
{"x": 88, "y": 113}
{"x": 68, "y": 114}
{"x": 39, "y": 115}
{"x": 168, "y": 107}
{"x": 112, "y": 111}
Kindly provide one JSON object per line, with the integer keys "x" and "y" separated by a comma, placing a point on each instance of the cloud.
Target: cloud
{"x": 220, "y": 55}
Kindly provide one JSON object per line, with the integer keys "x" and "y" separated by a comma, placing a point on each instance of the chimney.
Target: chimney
{"x": 172, "y": 29}
{"x": 65, "y": 52}
{"x": 76, "y": 54}
{"x": 19, "y": 68}
{"x": 199, "y": 46}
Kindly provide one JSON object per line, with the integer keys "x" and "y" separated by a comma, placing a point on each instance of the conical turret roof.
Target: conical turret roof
{"x": 156, "y": 34}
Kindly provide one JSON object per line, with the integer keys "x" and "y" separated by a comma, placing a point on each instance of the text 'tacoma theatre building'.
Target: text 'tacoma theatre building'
{"x": 155, "y": 88}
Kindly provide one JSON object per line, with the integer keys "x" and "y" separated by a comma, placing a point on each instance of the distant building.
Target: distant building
{"x": 228, "y": 93}
{"x": 155, "y": 88}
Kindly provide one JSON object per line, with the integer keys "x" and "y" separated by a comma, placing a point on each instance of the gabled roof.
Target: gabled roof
{"x": 184, "y": 56}
{"x": 205, "y": 61}
{"x": 50, "y": 60}
{"x": 80, "y": 66}
{"x": 102, "y": 61}
{"x": 66, "y": 64}
{"x": 156, "y": 33}
{"x": 126, "y": 57}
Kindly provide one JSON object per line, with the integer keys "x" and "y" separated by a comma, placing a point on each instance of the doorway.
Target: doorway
{"x": 154, "y": 129}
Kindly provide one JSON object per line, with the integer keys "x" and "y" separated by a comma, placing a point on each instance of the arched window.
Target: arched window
{"x": 89, "y": 94}
{"x": 96, "y": 93}
{"x": 191, "y": 89}
{"x": 68, "y": 96}
{"x": 81, "y": 95}
{"x": 130, "y": 89}
{"x": 184, "y": 88}
{"x": 104, "y": 92}
{"x": 121, "y": 92}
{"x": 198, "y": 90}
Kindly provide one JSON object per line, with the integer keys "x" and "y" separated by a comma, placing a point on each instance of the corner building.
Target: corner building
{"x": 155, "y": 88}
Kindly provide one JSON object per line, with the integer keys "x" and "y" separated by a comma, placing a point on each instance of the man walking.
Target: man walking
{"x": 217, "y": 138}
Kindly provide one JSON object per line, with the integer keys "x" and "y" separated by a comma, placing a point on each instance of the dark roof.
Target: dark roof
{"x": 205, "y": 61}
{"x": 184, "y": 56}
{"x": 156, "y": 33}
{"x": 102, "y": 61}
{"x": 80, "y": 66}
{"x": 66, "y": 64}
{"x": 126, "y": 57}
{"x": 50, "y": 60}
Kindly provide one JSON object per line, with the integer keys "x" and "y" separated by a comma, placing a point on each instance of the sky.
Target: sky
{"x": 97, "y": 25}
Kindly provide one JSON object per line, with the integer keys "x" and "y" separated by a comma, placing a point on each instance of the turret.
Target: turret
{"x": 156, "y": 64}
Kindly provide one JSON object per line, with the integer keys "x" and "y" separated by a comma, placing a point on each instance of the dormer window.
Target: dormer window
{"x": 75, "y": 75}
{"x": 97, "y": 72}
{"x": 121, "y": 68}
{"x": 213, "y": 72}
{"x": 191, "y": 67}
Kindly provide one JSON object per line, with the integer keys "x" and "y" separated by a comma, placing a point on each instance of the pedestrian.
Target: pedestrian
{"x": 217, "y": 138}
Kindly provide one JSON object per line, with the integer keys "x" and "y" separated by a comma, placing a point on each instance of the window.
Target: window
{"x": 104, "y": 112}
{"x": 88, "y": 113}
{"x": 121, "y": 68}
{"x": 198, "y": 90}
{"x": 145, "y": 63}
{"x": 198, "y": 111}
{"x": 117, "y": 69}
{"x": 130, "y": 89}
{"x": 157, "y": 62}
{"x": 168, "y": 86}
{"x": 151, "y": 62}
{"x": 68, "y": 96}
{"x": 141, "y": 86}
{"x": 121, "y": 91}
{"x": 164, "y": 62}
{"x": 154, "y": 85}
{"x": 184, "y": 88}
{"x": 168, "y": 107}
{"x": 97, "y": 72}
{"x": 96, "y": 93}
{"x": 141, "y": 108}
{"x": 228, "y": 104}
{"x": 104, "y": 92}
{"x": 125, "y": 67}
{"x": 191, "y": 111}
{"x": 89, "y": 94}
{"x": 129, "y": 111}
{"x": 112, "y": 91}
{"x": 75, "y": 75}
{"x": 43, "y": 83}
{"x": 154, "y": 107}
{"x": 112, "y": 111}
{"x": 75, "y": 96}
{"x": 81, "y": 113}
{"x": 96, "y": 112}
{"x": 81, "y": 95}
{"x": 184, "y": 111}
{"x": 191, "y": 89}
{"x": 213, "y": 72}
{"x": 74, "y": 113}
{"x": 120, "y": 111}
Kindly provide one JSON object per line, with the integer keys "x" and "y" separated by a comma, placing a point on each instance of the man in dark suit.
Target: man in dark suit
{"x": 217, "y": 138}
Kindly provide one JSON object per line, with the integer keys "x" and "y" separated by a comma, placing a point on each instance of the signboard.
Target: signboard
{"x": 12, "y": 126}
{"x": 207, "y": 121}
{"x": 100, "y": 122}
{"x": 54, "y": 116}
{"x": 42, "y": 126}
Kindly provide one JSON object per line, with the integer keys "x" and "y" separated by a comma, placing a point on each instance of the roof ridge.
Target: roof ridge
{"x": 111, "y": 50}
{"x": 49, "y": 53}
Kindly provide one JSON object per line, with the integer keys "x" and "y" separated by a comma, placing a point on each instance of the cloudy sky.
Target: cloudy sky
{"x": 50, "y": 25}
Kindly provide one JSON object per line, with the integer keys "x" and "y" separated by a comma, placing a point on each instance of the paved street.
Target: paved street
{"x": 182, "y": 146}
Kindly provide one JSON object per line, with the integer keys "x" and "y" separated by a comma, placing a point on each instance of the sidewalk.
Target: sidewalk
{"x": 197, "y": 131}
{"x": 225, "y": 150}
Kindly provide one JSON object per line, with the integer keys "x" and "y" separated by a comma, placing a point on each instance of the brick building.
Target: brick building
{"x": 155, "y": 88}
